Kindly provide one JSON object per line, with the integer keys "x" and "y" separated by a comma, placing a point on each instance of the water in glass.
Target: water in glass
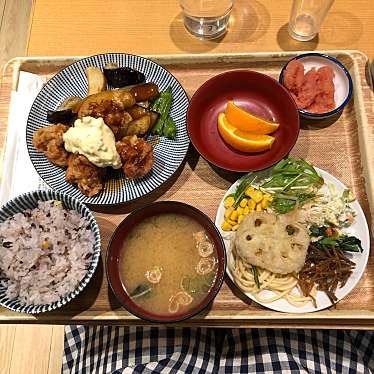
{"x": 206, "y": 19}
{"x": 306, "y": 18}
{"x": 304, "y": 27}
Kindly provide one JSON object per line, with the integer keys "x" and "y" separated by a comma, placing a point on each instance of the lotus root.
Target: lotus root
{"x": 274, "y": 242}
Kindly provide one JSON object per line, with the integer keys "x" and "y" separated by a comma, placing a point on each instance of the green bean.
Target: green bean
{"x": 170, "y": 128}
{"x": 162, "y": 105}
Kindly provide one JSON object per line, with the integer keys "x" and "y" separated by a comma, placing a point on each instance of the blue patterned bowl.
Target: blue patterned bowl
{"x": 30, "y": 200}
{"x": 72, "y": 81}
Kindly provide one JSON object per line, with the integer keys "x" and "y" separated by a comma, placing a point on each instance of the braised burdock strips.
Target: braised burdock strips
{"x": 327, "y": 269}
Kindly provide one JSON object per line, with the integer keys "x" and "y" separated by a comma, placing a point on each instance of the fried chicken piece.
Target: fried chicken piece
{"x": 89, "y": 177}
{"x": 115, "y": 116}
{"x": 136, "y": 156}
{"x": 49, "y": 141}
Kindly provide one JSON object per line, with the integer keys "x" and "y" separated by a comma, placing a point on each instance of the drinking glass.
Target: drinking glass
{"x": 307, "y": 17}
{"x": 207, "y": 19}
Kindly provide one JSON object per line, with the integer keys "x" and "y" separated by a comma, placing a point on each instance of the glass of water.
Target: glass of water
{"x": 206, "y": 19}
{"x": 307, "y": 17}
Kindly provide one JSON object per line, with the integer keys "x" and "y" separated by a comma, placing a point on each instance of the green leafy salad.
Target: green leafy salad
{"x": 292, "y": 182}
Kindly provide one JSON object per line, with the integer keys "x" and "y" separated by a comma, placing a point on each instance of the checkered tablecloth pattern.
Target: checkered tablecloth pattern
{"x": 113, "y": 349}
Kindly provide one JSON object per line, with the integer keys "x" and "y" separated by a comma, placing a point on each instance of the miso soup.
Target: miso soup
{"x": 168, "y": 264}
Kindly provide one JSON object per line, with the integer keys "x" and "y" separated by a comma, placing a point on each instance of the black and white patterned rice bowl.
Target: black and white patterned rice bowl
{"x": 30, "y": 200}
{"x": 71, "y": 81}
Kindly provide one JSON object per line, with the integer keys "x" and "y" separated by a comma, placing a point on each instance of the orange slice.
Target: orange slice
{"x": 246, "y": 121}
{"x": 242, "y": 140}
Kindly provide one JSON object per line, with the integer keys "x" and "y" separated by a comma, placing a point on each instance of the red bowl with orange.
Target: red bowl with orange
{"x": 225, "y": 145}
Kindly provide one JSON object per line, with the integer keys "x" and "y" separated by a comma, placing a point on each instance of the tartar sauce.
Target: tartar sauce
{"x": 92, "y": 138}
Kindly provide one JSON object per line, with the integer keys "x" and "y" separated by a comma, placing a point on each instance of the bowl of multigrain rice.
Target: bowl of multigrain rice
{"x": 49, "y": 251}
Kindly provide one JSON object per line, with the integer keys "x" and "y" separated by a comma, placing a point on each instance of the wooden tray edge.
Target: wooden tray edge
{"x": 189, "y": 57}
{"x": 324, "y": 319}
{"x": 366, "y": 139}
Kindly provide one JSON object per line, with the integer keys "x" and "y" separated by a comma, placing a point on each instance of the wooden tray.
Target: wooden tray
{"x": 343, "y": 146}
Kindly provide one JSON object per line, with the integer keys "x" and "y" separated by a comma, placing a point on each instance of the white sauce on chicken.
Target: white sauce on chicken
{"x": 92, "y": 138}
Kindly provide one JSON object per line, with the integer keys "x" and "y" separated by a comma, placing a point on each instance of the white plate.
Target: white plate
{"x": 359, "y": 229}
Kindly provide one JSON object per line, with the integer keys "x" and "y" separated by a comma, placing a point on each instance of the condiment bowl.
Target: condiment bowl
{"x": 28, "y": 201}
{"x": 342, "y": 81}
{"x": 254, "y": 92}
{"x": 116, "y": 248}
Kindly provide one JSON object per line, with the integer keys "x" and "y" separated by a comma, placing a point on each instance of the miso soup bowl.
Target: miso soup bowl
{"x": 116, "y": 247}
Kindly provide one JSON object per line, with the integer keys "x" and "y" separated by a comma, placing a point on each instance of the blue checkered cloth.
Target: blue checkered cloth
{"x": 113, "y": 349}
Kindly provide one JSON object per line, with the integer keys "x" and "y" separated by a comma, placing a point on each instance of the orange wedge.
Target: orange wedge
{"x": 246, "y": 121}
{"x": 242, "y": 140}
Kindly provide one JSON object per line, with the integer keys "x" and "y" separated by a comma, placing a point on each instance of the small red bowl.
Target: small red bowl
{"x": 114, "y": 253}
{"x": 255, "y": 92}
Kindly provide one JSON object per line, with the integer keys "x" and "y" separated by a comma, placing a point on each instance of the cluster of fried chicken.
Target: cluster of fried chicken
{"x": 126, "y": 119}
{"x": 136, "y": 155}
{"x": 88, "y": 177}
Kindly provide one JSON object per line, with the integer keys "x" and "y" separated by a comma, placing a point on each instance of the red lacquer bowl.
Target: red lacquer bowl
{"x": 255, "y": 92}
{"x": 115, "y": 248}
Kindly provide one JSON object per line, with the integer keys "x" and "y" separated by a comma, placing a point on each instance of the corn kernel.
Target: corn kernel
{"x": 243, "y": 203}
{"x": 231, "y": 222}
{"x": 45, "y": 244}
{"x": 264, "y": 203}
{"x": 256, "y": 196}
{"x": 246, "y": 210}
{"x": 234, "y": 215}
{"x": 259, "y": 207}
{"x": 234, "y": 228}
{"x": 229, "y": 202}
{"x": 249, "y": 190}
{"x": 226, "y": 226}
{"x": 240, "y": 218}
{"x": 228, "y": 212}
{"x": 240, "y": 210}
{"x": 251, "y": 205}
